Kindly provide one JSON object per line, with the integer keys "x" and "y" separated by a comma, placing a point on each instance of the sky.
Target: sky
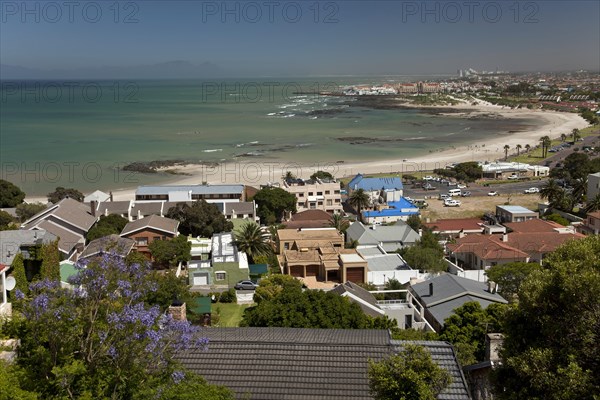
{"x": 302, "y": 38}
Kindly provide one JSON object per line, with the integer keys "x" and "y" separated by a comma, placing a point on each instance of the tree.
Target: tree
{"x": 101, "y": 341}
{"x": 527, "y": 148}
{"x": 289, "y": 176}
{"x": 169, "y": 253}
{"x": 50, "y": 257}
{"x": 62, "y": 193}
{"x": 10, "y": 384}
{"x": 563, "y": 137}
{"x": 518, "y": 147}
{"x": 466, "y": 329}
{"x": 414, "y": 221}
{"x": 10, "y": 194}
{"x": 200, "y": 219}
{"x": 468, "y": 171}
{"x": 410, "y": 374}
{"x": 273, "y": 204}
{"x": 509, "y": 277}
{"x": 6, "y": 221}
{"x": 107, "y": 225}
{"x": 168, "y": 288}
{"x": 550, "y": 191}
{"x": 575, "y": 134}
{"x": 321, "y": 175}
{"x": 271, "y": 286}
{"x": 339, "y": 222}
{"x": 506, "y": 147}
{"x": 359, "y": 199}
{"x": 551, "y": 347}
{"x": 18, "y": 272}
{"x": 427, "y": 254}
{"x": 593, "y": 204}
{"x": 545, "y": 142}
{"x": 252, "y": 240}
{"x": 27, "y": 210}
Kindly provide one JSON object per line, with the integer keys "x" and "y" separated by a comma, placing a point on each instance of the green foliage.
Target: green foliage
{"x": 271, "y": 286}
{"x": 467, "y": 327}
{"x": 510, "y": 276}
{"x": 168, "y": 288}
{"x": 6, "y": 221}
{"x": 50, "y": 268}
{"x": 359, "y": 199}
{"x": 321, "y": 175}
{"x": 558, "y": 219}
{"x": 10, "y": 194}
{"x": 107, "y": 225}
{"x": 192, "y": 387}
{"x": 426, "y": 255}
{"x": 551, "y": 338}
{"x": 200, "y": 219}
{"x": 414, "y": 221}
{"x": 27, "y": 210}
{"x": 228, "y": 297}
{"x": 170, "y": 252}
{"x": 10, "y": 384}
{"x": 409, "y": 375}
{"x": 62, "y": 193}
{"x": 414, "y": 334}
{"x": 339, "y": 222}
{"x": 273, "y": 203}
{"x": 135, "y": 257}
{"x": 253, "y": 241}
{"x": 18, "y": 272}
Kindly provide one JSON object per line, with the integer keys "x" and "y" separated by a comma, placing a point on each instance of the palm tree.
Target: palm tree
{"x": 289, "y": 176}
{"x": 527, "y": 148}
{"x": 575, "y": 134}
{"x": 593, "y": 204}
{"x": 359, "y": 199}
{"x": 545, "y": 145}
{"x": 518, "y": 147}
{"x": 580, "y": 188}
{"x": 550, "y": 191}
{"x": 506, "y": 147}
{"x": 253, "y": 241}
{"x": 563, "y": 137}
{"x": 338, "y": 222}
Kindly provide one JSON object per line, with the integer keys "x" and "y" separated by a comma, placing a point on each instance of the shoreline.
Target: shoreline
{"x": 257, "y": 172}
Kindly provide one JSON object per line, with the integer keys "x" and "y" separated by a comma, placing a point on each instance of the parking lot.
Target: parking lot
{"x": 476, "y": 190}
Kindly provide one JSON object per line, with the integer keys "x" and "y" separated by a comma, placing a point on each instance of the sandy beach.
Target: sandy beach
{"x": 257, "y": 172}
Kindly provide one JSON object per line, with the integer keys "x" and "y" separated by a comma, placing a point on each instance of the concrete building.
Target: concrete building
{"x": 514, "y": 214}
{"x": 317, "y": 194}
{"x": 593, "y": 185}
{"x": 182, "y": 193}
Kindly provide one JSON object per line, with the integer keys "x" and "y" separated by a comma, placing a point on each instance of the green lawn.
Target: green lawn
{"x": 230, "y": 314}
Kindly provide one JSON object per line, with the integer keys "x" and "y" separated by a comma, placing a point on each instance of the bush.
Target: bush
{"x": 228, "y": 296}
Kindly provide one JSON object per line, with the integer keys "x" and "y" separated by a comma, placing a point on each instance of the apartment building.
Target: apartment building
{"x": 317, "y": 194}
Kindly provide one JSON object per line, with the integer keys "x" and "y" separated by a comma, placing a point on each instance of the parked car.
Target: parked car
{"x": 451, "y": 203}
{"x": 513, "y": 176}
{"x": 445, "y": 196}
{"x": 429, "y": 178}
{"x": 245, "y": 285}
{"x": 493, "y": 193}
{"x": 461, "y": 186}
{"x": 428, "y": 187}
{"x": 465, "y": 193}
{"x": 532, "y": 190}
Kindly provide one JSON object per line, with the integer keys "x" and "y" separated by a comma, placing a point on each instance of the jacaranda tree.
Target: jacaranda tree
{"x": 100, "y": 340}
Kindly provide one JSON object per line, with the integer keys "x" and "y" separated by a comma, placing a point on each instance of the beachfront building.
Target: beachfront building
{"x": 593, "y": 185}
{"x": 503, "y": 170}
{"x": 407, "y": 88}
{"x": 182, "y": 193}
{"x": 381, "y": 190}
{"x": 315, "y": 194}
{"x": 392, "y": 211}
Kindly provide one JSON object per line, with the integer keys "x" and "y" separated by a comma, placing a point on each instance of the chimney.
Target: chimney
{"x": 93, "y": 205}
{"x": 111, "y": 196}
{"x": 177, "y": 310}
{"x": 493, "y": 344}
{"x": 492, "y": 287}
{"x": 505, "y": 237}
{"x": 461, "y": 234}
{"x": 430, "y": 289}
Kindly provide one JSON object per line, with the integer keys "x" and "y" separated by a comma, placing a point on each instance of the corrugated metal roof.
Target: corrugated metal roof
{"x": 195, "y": 189}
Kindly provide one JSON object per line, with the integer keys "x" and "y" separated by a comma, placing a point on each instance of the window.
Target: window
{"x": 319, "y": 193}
{"x": 327, "y": 192}
{"x": 329, "y": 202}
{"x": 141, "y": 241}
{"x": 220, "y": 275}
{"x": 300, "y": 194}
{"x": 336, "y": 192}
{"x": 240, "y": 216}
{"x": 310, "y": 193}
{"x": 286, "y": 246}
{"x": 156, "y": 238}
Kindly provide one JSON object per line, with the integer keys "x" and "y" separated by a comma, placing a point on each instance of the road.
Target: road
{"x": 475, "y": 189}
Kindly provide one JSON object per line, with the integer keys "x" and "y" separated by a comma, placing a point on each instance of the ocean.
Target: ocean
{"x": 80, "y": 134}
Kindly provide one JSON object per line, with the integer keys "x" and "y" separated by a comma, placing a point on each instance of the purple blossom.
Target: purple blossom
{"x": 177, "y": 376}
{"x": 19, "y": 295}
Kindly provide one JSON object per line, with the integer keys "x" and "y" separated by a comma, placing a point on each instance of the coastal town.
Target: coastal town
{"x": 411, "y": 253}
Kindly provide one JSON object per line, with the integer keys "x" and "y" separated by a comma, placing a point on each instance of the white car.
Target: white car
{"x": 461, "y": 186}
{"x": 493, "y": 193}
{"x": 429, "y": 178}
{"x": 532, "y": 190}
{"x": 451, "y": 203}
{"x": 513, "y": 177}
{"x": 445, "y": 196}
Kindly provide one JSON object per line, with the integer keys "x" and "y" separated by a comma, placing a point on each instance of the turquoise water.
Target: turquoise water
{"x": 55, "y": 133}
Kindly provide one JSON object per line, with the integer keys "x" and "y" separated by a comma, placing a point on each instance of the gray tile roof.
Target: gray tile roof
{"x": 153, "y": 221}
{"x": 73, "y": 212}
{"x": 113, "y": 207}
{"x": 119, "y": 245}
{"x": 360, "y": 296}
{"x": 67, "y": 239}
{"x": 396, "y": 235}
{"x": 443, "y": 354}
{"x": 145, "y": 209}
{"x": 12, "y": 241}
{"x": 387, "y": 263}
{"x": 195, "y": 189}
{"x": 302, "y": 364}
{"x": 242, "y": 207}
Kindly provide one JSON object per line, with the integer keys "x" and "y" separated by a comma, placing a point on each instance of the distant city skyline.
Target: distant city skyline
{"x": 294, "y": 39}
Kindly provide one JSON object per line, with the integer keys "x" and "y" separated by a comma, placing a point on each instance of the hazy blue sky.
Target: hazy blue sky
{"x": 345, "y": 37}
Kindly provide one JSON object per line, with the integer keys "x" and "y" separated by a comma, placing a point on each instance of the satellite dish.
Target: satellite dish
{"x": 10, "y": 283}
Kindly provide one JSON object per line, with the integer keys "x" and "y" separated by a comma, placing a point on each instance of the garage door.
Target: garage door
{"x": 312, "y": 270}
{"x": 297, "y": 271}
{"x": 200, "y": 280}
{"x": 355, "y": 275}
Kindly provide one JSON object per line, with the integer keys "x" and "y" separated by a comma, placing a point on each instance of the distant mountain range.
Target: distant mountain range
{"x": 165, "y": 70}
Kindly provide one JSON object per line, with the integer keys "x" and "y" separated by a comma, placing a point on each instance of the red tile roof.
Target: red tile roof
{"x": 487, "y": 247}
{"x": 533, "y": 226}
{"x": 595, "y": 214}
{"x": 455, "y": 225}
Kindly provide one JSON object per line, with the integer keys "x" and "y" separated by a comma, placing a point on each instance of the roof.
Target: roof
{"x": 163, "y": 224}
{"x": 516, "y": 209}
{"x": 256, "y": 269}
{"x": 67, "y": 239}
{"x": 374, "y": 184}
{"x": 242, "y": 207}
{"x": 399, "y": 208}
{"x": 96, "y": 196}
{"x": 194, "y": 189}
{"x": 595, "y": 214}
{"x": 12, "y": 240}
{"x": 399, "y": 232}
{"x": 388, "y": 262}
{"x": 71, "y": 211}
{"x": 534, "y": 225}
{"x": 456, "y": 225}
{"x": 150, "y": 208}
{"x": 113, "y": 207}
{"x": 289, "y": 363}
{"x": 451, "y": 291}
{"x": 309, "y": 234}
{"x": 360, "y": 296}
{"x": 312, "y": 215}
{"x": 113, "y": 243}
{"x": 200, "y": 305}
{"x": 487, "y": 247}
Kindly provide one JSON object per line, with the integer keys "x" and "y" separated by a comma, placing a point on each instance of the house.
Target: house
{"x": 478, "y": 375}
{"x": 13, "y": 242}
{"x": 309, "y": 219}
{"x": 591, "y": 224}
{"x": 390, "y": 237}
{"x": 113, "y": 244}
{"x": 388, "y": 189}
{"x": 315, "y": 194}
{"x": 227, "y": 265}
{"x": 307, "y": 364}
{"x": 182, "y": 193}
{"x": 325, "y": 263}
{"x": 121, "y": 208}
{"x": 360, "y": 296}
{"x": 436, "y": 299}
{"x": 384, "y": 267}
{"x": 479, "y": 252}
{"x": 238, "y": 210}
{"x": 298, "y": 239}
{"x": 450, "y": 228}
{"x": 148, "y": 229}
{"x": 97, "y": 196}
{"x": 68, "y": 220}
{"x": 593, "y": 188}
{"x": 502, "y": 170}
{"x": 392, "y": 211}
{"x": 514, "y": 214}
